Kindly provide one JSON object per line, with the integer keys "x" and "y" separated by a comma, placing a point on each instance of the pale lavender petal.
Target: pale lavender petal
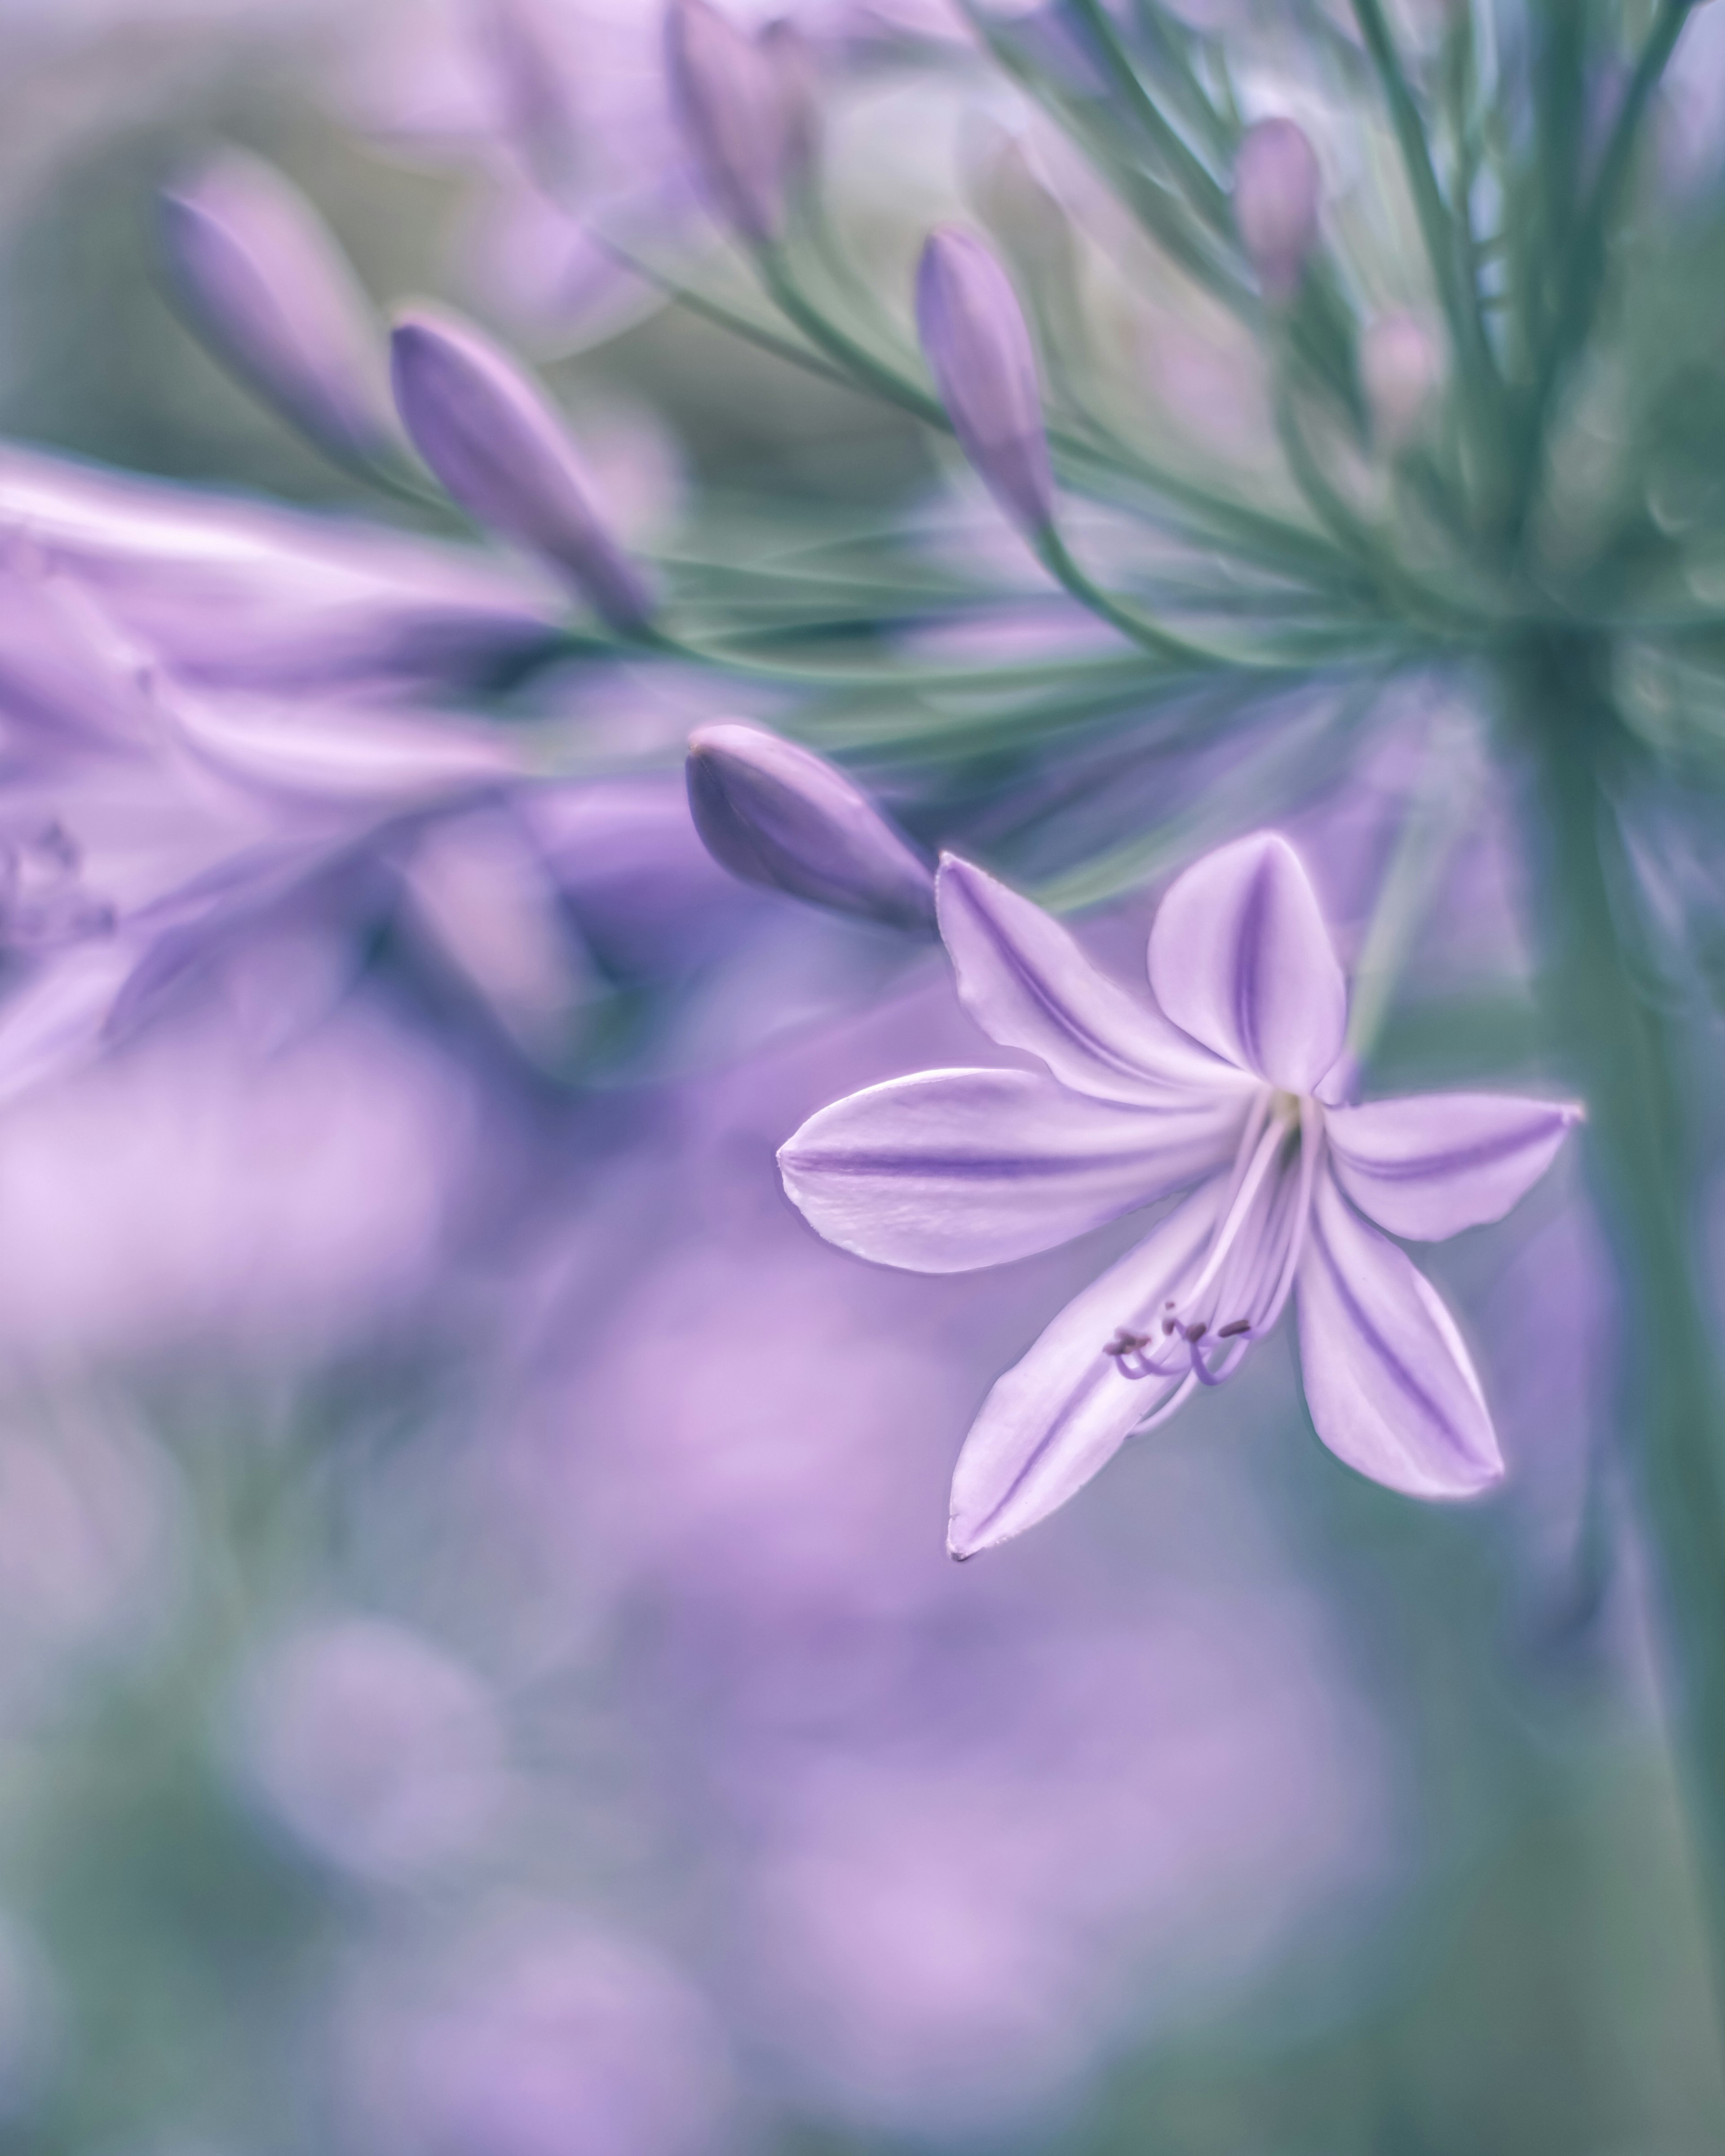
{"x": 776, "y": 813}
{"x": 58, "y": 1020}
{"x": 1027, "y": 984}
{"x": 1239, "y": 956}
{"x": 951, "y": 1169}
{"x": 1435, "y": 1163}
{"x": 1391, "y": 1384}
{"x": 1064, "y": 1410}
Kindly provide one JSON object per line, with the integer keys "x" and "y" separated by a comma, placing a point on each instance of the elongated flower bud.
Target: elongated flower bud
{"x": 730, "y": 97}
{"x": 500, "y": 450}
{"x": 978, "y": 346}
{"x": 272, "y": 291}
{"x": 795, "y": 81}
{"x": 1276, "y": 198}
{"x": 777, "y": 815}
{"x": 1400, "y": 367}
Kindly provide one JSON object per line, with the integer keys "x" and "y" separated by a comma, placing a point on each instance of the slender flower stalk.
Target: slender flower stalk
{"x": 491, "y": 437}
{"x": 1219, "y": 1091}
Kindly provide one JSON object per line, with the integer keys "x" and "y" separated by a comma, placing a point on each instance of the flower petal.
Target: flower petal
{"x": 1064, "y": 1410}
{"x": 1391, "y": 1384}
{"x": 1027, "y": 984}
{"x": 951, "y": 1169}
{"x": 1435, "y": 1163}
{"x": 1241, "y": 958}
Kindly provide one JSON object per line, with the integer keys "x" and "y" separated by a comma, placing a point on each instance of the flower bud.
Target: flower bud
{"x": 978, "y": 346}
{"x": 796, "y": 78}
{"x": 777, "y": 815}
{"x": 1399, "y": 367}
{"x": 731, "y": 98}
{"x": 272, "y": 291}
{"x": 1276, "y": 197}
{"x": 499, "y": 448}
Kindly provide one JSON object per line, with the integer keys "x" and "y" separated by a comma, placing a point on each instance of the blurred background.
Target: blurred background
{"x": 479, "y": 1672}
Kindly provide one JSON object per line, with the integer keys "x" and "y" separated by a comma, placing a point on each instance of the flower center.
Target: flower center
{"x": 1237, "y": 1292}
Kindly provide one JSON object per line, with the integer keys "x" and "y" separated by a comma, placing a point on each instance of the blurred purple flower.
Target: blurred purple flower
{"x": 548, "y": 2038}
{"x": 373, "y": 1747}
{"x": 978, "y": 347}
{"x": 1224, "y": 1089}
{"x": 274, "y": 293}
{"x": 238, "y": 595}
{"x": 775, "y": 813}
{"x": 494, "y": 441}
{"x": 1275, "y": 201}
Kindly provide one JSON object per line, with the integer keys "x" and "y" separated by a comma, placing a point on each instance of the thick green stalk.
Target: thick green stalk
{"x": 1623, "y": 1054}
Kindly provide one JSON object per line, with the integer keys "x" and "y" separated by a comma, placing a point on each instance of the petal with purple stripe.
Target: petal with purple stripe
{"x": 1027, "y": 984}
{"x": 1389, "y": 1380}
{"x": 948, "y": 1170}
{"x": 1432, "y": 1164}
{"x": 1241, "y": 959}
{"x": 1066, "y": 1409}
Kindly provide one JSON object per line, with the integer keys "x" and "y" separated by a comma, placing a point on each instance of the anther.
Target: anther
{"x": 1233, "y": 1332}
{"x": 1194, "y": 1333}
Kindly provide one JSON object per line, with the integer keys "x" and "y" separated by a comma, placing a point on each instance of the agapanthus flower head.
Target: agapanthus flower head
{"x": 1220, "y": 1093}
{"x": 776, "y": 813}
{"x": 1276, "y": 186}
{"x": 978, "y": 347}
{"x": 272, "y": 290}
{"x": 491, "y": 437}
{"x": 737, "y": 96}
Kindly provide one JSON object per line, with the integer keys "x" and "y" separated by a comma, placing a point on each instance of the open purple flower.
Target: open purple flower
{"x": 1220, "y": 1093}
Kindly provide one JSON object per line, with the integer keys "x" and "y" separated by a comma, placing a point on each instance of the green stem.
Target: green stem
{"x": 1624, "y": 1054}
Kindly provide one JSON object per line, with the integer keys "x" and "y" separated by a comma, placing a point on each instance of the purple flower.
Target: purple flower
{"x": 1276, "y": 195}
{"x": 777, "y": 815}
{"x": 1221, "y": 1094}
{"x": 978, "y": 347}
{"x": 738, "y": 101}
{"x": 272, "y": 290}
{"x": 493, "y": 439}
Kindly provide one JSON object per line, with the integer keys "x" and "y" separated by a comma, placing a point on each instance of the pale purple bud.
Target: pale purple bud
{"x": 796, "y": 74}
{"x": 272, "y": 291}
{"x": 731, "y": 102}
{"x": 1275, "y": 199}
{"x": 1400, "y": 367}
{"x": 502, "y": 451}
{"x": 978, "y": 346}
{"x": 777, "y": 815}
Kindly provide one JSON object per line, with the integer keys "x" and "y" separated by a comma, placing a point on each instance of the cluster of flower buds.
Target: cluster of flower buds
{"x": 272, "y": 291}
{"x": 499, "y": 448}
{"x": 747, "y": 106}
{"x": 777, "y": 815}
